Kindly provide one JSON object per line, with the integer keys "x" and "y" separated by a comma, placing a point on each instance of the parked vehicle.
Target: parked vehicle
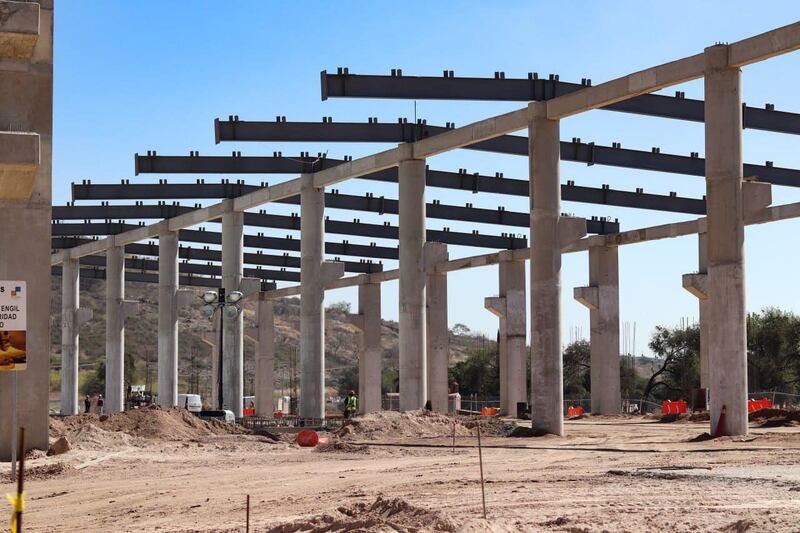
{"x": 191, "y": 401}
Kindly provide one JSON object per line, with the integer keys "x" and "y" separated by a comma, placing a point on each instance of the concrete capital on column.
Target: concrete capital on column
{"x": 588, "y": 296}
{"x": 495, "y": 305}
{"x": 696, "y": 284}
{"x": 756, "y": 196}
{"x": 83, "y": 315}
{"x": 570, "y": 229}
{"x": 331, "y": 271}
{"x": 249, "y": 286}
{"x": 129, "y": 307}
{"x": 716, "y": 57}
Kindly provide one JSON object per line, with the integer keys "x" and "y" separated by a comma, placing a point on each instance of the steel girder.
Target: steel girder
{"x": 576, "y": 151}
{"x": 500, "y": 88}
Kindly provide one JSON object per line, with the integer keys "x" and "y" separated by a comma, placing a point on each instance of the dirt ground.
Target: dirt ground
{"x": 608, "y": 474}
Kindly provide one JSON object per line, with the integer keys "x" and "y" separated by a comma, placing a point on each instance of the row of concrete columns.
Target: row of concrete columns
{"x": 423, "y": 337}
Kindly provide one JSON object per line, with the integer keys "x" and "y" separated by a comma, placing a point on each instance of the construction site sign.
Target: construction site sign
{"x": 13, "y": 325}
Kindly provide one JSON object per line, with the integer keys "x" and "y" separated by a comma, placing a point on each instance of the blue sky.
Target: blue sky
{"x": 133, "y": 76}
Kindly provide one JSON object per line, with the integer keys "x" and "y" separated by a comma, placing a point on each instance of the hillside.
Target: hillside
{"x": 195, "y": 356}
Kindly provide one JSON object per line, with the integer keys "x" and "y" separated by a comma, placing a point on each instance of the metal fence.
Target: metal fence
{"x": 260, "y": 422}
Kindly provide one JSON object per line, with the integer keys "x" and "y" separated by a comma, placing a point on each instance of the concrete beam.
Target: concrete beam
{"x": 19, "y": 160}
{"x": 19, "y": 29}
{"x": 413, "y": 359}
{"x": 436, "y": 331}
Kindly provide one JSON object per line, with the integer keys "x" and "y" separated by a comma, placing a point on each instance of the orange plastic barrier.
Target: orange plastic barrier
{"x": 248, "y": 411}
{"x": 278, "y": 414}
{"x": 574, "y": 411}
{"x": 756, "y": 405}
{"x": 307, "y": 438}
{"x": 674, "y": 408}
{"x": 489, "y": 411}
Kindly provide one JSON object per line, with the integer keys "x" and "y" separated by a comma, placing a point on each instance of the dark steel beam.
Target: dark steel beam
{"x": 185, "y": 281}
{"x": 576, "y": 151}
{"x": 206, "y": 254}
{"x": 501, "y": 88}
{"x": 355, "y": 228}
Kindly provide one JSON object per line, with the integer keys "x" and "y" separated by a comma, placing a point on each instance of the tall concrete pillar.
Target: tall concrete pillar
{"x": 115, "y": 329}
{"x": 413, "y": 361}
{"x": 26, "y": 104}
{"x": 168, "y": 319}
{"x": 437, "y": 332}
{"x": 70, "y": 298}
{"x": 265, "y": 358}
{"x": 547, "y": 394}
{"x": 727, "y": 355}
{"x": 232, "y": 328}
{"x": 602, "y": 299}
{"x": 312, "y": 295}
{"x": 510, "y": 308}
{"x": 702, "y": 268}
{"x": 370, "y": 349}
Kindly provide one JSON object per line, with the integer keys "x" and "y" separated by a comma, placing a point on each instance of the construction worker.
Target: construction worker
{"x": 350, "y": 404}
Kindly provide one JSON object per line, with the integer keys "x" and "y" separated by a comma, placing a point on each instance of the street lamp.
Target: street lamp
{"x": 229, "y": 308}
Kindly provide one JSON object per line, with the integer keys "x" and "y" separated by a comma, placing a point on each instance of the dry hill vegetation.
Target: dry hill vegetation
{"x": 141, "y": 344}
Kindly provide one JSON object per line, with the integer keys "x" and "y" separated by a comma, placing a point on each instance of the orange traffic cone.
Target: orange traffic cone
{"x": 720, "y": 424}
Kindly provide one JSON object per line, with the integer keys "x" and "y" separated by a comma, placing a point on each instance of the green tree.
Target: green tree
{"x": 577, "y": 377}
{"x": 479, "y": 372}
{"x": 678, "y": 352}
{"x": 773, "y": 351}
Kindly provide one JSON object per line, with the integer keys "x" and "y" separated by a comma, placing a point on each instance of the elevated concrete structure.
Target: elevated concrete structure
{"x": 436, "y": 331}
{"x": 232, "y": 328}
{"x": 26, "y": 105}
{"x": 117, "y": 309}
{"x": 168, "y": 319}
{"x": 370, "y": 350}
{"x": 413, "y": 360}
{"x": 601, "y": 297}
{"x": 510, "y": 308}
{"x": 72, "y": 318}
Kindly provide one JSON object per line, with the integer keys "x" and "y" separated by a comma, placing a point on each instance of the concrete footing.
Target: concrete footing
{"x": 437, "y": 333}
{"x": 413, "y": 360}
{"x": 601, "y": 297}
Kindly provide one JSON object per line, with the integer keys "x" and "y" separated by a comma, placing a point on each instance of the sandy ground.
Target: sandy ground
{"x": 609, "y": 474}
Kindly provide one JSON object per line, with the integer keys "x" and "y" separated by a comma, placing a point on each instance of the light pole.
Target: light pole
{"x": 229, "y": 308}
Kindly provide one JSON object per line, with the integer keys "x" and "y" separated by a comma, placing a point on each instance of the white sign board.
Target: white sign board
{"x": 13, "y": 325}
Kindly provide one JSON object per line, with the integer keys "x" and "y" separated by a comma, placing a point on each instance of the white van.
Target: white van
{"x": 195, "y": 404}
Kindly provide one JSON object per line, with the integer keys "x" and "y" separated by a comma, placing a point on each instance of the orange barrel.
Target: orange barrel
{"x": 307, "y": 438}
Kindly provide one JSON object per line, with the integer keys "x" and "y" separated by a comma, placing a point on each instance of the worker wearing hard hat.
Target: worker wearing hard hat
{"x": 350, "y": 404}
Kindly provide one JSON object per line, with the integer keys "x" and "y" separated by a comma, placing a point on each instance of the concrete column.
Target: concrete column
{"x": 702, "y": 268}
{"x": 70, "y": 298}
{"x": 312, "y": 295}
{"x": 265, "y": 358}
{"x": 26, "y": 104}
{"x": 370, "y": 349}
{"x": 437, "y": 332}
{"x": 211, "y": 339}
{"x": 602, "y": 299}
{"x": 727, "y": 355}
{"x": 547, "y": 394}
{"x": 168, "y": 319}
{"x": 413, "y": 365}
{"x": 115, "y": 330}
{"x": 510, "y": 308}
{"x": 232, "y": 329}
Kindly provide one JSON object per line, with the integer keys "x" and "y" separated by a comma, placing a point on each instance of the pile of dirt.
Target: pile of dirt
{"x": 382, "y": 515}
{"x": 337, "y": 446}
{"x": 785, "y": 419}
{"x": 153, "y": 422}
{"x": 526, "y": 431}
{"x": 416, "y": 424}
{"x": 42, "y": 472}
